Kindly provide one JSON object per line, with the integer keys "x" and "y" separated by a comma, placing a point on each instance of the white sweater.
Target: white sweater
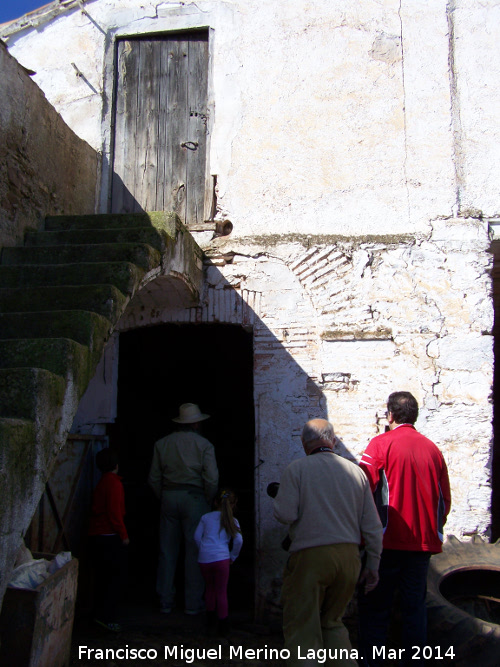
{"x": 213, "y": 540}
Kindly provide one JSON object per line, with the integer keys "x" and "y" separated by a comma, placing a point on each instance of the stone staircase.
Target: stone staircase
{"x": 61, "y": 295}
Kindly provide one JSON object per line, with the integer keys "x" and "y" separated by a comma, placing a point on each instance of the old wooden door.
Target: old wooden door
{"x": 161, "y": 126}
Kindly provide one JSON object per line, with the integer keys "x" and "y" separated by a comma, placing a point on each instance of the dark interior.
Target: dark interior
{"x": 475, "y": 591}
{"x": 160, "y": 368}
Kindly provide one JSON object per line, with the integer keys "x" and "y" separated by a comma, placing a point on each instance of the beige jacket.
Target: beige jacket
{"x": 181, "y": 458}
{"x": 327, "y": 500}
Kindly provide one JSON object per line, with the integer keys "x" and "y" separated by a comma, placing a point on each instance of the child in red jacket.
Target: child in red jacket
{"x": 109, "y": 539}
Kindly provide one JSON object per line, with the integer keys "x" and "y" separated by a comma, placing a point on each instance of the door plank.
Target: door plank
{"x": 177, "y": 85}
{"x": 123, "y": 183}
{"x": 162, "y": 175}
{"x": 197, "y": 130}
{"x": 146, "y": 127}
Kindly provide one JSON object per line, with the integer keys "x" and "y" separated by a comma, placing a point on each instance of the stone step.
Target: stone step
{"x": 30, "y": 393}
{"x": 148, "y": 235}
{"x": 60, "y": 356}
{"x": 82, "y": 326}
{"x": 123, "y": 275}
{"x": 105, "y": 300}
{"x": 61, "y": 295}
{"x": 157, "y": 219}
{"x": 141, "y": 254}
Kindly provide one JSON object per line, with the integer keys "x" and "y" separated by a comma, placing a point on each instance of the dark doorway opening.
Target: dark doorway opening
{"x": 160, "y": 368}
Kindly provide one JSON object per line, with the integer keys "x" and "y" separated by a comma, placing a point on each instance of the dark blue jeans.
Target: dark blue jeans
{"x": 405, "y": 571}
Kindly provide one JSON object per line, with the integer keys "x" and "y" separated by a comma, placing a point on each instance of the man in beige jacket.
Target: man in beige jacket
{"x": 184, "y": 477}
{"x": 327, "y": 502}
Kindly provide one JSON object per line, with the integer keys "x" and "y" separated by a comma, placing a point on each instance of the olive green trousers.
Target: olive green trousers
{"x": 318, "y": 583}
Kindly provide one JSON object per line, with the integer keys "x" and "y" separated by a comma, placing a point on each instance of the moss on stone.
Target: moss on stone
{"x": 109, "y": 221}
{"x": 24, "y": 390}
{"x": 64, "y": 301}
{"x": 106, "y": 300}
{"x": 60, "y": 356}
{"x": 123, "y": 275}
{"x": 150, "y": 235}
{"x": 80, "y": 325}
{"x": 17, "y": 466}
{"x": 141, "y": 254}
{"x": 166, "y": 221}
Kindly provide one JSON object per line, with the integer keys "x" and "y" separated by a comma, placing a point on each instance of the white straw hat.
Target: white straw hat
{"x": 189, "y": 413}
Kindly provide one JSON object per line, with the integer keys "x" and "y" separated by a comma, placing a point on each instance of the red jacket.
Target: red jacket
{"x": 409, "y": 478}
{"x": 108, "y": 507}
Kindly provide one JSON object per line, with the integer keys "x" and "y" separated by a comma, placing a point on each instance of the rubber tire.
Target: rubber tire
{"x": 475, "y": 641}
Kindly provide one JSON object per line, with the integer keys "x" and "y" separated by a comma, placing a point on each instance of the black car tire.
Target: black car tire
{"x": 463, "y": 603}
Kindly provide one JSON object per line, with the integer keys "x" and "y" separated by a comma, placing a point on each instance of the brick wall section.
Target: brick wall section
{"x": 45, "y": 168}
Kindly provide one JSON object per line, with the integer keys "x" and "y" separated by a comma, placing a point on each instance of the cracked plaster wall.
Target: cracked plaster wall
{"x": 375, "y": 317}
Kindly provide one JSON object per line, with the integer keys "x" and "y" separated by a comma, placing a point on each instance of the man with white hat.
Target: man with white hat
{"x": 184, "y": 477}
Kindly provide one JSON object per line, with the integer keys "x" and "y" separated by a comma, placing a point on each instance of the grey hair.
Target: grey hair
{"x": 311, "y": 432}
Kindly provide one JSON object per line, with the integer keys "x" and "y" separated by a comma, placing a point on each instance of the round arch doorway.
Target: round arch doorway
{"x": 161, "y": 367}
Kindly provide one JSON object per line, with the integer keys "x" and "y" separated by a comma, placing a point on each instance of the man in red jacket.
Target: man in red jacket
{"x": 409, "y": 479}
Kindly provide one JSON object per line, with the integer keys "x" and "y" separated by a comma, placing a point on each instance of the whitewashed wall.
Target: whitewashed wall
{"x": 356, "y": 147}
{"x": 328, "y": 117}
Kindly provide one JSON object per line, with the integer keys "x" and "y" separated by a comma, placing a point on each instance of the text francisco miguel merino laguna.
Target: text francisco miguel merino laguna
{"x": 321, "y": 655}
{"x": 189, "y": 655}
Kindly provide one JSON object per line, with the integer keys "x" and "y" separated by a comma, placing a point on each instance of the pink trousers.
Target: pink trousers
{"x": 216, "y": 577}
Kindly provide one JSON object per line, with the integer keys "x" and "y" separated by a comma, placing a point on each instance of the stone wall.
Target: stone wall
{"x": 45, "y": 168}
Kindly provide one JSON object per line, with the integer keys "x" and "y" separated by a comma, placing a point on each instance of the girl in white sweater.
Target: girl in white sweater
{"x": 219, "y": 541}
